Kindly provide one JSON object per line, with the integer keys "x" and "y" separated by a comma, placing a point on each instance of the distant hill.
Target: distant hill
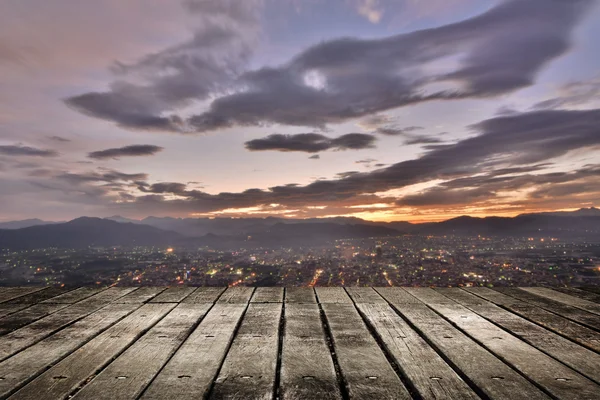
{"x": 24, "y": 223}
{"x": 196, "y": 227}
{"x": 582, "y": 212}
{"x": 271, "y": 231}
{"x": 84, "y": 232}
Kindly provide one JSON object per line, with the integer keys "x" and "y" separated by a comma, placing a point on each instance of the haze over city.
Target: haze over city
{"x": 379, "y": 109}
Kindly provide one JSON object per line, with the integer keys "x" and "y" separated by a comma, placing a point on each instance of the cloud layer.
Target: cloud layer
{"x": 493, "y": 53}
{"x": 135, "y": 150}
{"x": 312, "y": 142}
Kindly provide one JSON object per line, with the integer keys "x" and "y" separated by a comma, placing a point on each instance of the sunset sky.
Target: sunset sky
{"x": 412, "y": 110}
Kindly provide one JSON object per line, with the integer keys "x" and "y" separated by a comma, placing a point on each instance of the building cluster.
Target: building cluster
{"x": 400, "y": 261}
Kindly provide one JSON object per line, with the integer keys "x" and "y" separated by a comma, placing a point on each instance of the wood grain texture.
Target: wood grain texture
{"x": 332, "y": 295}
{"x": 586, "y": 305}
{"x": 24, "y": 337}
{"x": 267, "y": 295}
{"x": 307, "y": 369}
{"x": 141, "y": 295}
{"x": 554, "y": 306}
{"x": 493, "y": 377}
{"x": 327, "y": 343}
{"x": 204, "y": 295}
{"x": 249, "y": 370}
{"x": 39, "y": 296}
{"x": 75, "y": 295}
{"x": 553, "y": 376}
{"x": 582, "y": 294}
{"x": 300, "y": 295}
{"x": 190, "y": 372}
{"x": 429, "y": 374}
{"x": 556, "y": 323}
{"x": 15, "y": 292}
{"x": 364, "y": 367}
{"x": 29, "y": 363}
{"x": 236, "y": 295}
{"x": 27, "y": 316}
{"x": 132, "y": 371}
{"x": 62, "y": 379}
{"x": 575, "y": 356}
{"x": 173, "y": 294}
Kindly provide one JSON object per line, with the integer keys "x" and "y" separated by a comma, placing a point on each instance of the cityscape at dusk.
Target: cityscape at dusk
{"x": 299, "y": 199}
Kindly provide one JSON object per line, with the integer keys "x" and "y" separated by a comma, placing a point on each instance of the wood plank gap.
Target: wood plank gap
{"x": 191, "y": 372}
{"x": 412, "y": 389}
{"x": 343, "y": 384}
{"x": 556, "y": 379}
{"x": 31, "y": 362}
{"x": 83, "y": 364}
{"x": 573, "y": 313}
{"x": 571, "y": 354}
{"x": 281, "y": 331}
{"x": 567, "y": 299}
{"x": 565, "y": 327}
{"x": 216, "y": 294}
{"x": 429, "y": 375}
{"x": 582, "y": 294}
{"x": 485, "y": 373}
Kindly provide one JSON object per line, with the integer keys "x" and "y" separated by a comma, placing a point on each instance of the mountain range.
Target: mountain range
{"x": 271, "y": 231}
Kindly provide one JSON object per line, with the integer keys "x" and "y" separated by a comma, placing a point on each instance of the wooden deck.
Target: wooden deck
{"x": 299, "y": 343}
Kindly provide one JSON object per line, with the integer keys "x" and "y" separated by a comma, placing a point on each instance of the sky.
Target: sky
{"x": 385, "y": 110}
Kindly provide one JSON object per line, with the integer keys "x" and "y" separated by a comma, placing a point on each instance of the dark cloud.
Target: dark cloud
{"x": 391, "y": 131}
{"x": 146, "y": 92}
{"x": 19, "y": 150}
{"x": 312, "y": 142}
{"x": 365, "y": 161}
{"x": 314, "y": 157}
{"x": 499, "y": 51}
{"x": 127, "y": 151}
{"x": 501, "y": 157}
{"x": 105, "y": 176}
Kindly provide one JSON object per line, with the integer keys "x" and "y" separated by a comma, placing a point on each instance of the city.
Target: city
{"x": 407, "y": 260}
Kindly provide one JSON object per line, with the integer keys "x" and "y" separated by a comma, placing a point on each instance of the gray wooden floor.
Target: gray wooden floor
{"x": 299, "y": 343}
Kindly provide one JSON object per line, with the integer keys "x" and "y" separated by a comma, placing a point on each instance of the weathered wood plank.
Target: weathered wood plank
{"x": 366, "y": 371}
{"x": 26, "y": 336}
{"x": 494, "y": 379}
{"x": 559, "y": 380}
{"x": 39, "y": 296}
{"x": 307, "y": 369}
{"x": 190, "y": 372}
{"x": 141, "y": 295}
{"x": 173, "y": 294}
{"x": 575, "y": 356}
{"x": 31, "y": 362}
{"x": 27, "y": 316}
{"x": 16, "y": 292}
{"x": 582, "y": 294}
{"x": 556, "y": 323}
{"x": 267, "y": 295}
{"x": 570, "y": 312}
{"x": 75, "y": 296}
{"x": 132, "y": 371}
{"x": 429, "y": 374}
{"x": 236, "y": 295}
{"x": 300, "y": 295}
{"x": 332, "y": 295}
{"x": 592, "y": 289}
{"x": 365, "y": 295}
{"x": 249, "y": 369}
{"x": 8, "y": 309}
{"x": 204, "y": 295}
{"x": 586, "y": 305}
{"x": 63, "y": 378}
